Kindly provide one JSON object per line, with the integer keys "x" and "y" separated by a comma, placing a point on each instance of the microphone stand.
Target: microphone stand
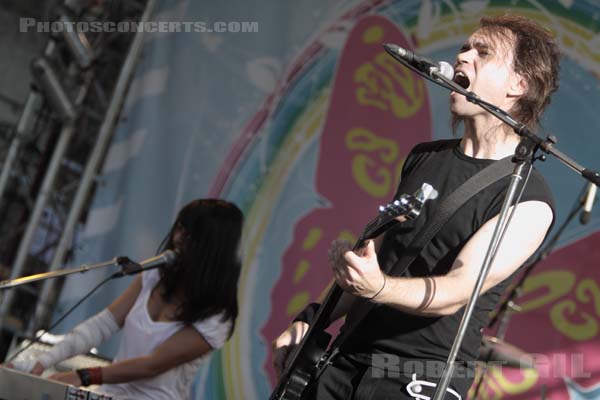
{"x": 523, "y": 159}
{"x": 128, "y": 267}
{"x": 502, "y": 315}
{"x": 125, "y": 263}
{"x": 508, "y": 306}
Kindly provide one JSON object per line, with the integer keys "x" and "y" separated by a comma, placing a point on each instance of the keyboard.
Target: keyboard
{"x": 88, "y": 360}
{"x": 16, "y": 385}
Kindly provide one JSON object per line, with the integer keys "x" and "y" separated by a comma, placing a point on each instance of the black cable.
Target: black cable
{"x": 65, "y": 315}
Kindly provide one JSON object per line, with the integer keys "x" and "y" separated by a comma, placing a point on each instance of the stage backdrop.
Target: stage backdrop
{"x": 305, "y": 125}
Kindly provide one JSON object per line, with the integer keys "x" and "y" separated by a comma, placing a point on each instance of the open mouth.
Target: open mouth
{"x": 462, "y": 79}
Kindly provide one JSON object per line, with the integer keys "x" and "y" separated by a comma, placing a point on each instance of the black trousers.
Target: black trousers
{"x": 347, "y": 379}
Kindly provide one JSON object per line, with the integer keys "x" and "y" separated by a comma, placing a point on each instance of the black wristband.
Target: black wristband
{"x": 308, "y": 314}
{"x": 84, "y": 376}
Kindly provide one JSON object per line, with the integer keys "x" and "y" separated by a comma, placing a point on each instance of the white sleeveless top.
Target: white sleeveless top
{"x": 141, "y": 335}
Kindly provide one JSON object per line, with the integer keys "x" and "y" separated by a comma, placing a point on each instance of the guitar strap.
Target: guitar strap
{"x": 478, "y": 182}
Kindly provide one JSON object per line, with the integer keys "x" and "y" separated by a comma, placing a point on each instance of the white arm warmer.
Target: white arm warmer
{"x": 90, "y": 333}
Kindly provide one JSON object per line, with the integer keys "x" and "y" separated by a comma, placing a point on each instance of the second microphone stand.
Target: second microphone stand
{"x": 505, "y": 310}
{"x": 128, "y": 267}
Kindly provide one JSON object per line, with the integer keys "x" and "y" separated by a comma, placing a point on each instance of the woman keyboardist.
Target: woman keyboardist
{"x": 171, "y": 318}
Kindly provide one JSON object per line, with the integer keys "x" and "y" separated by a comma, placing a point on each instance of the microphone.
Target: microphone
{"x": 420, "y": 64}
{"x": 588, "y": 203}
{"x": 164, "y": 259}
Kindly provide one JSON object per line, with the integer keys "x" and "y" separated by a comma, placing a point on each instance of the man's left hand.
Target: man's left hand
{"x": 358, "y": 273}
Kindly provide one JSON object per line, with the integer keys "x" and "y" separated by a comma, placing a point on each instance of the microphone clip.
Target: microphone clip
{"x": 128, "y": 267}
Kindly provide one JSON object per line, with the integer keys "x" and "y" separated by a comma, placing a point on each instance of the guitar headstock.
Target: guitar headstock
{"x": 411, "y": 205}
{"x": 407, "y": 205}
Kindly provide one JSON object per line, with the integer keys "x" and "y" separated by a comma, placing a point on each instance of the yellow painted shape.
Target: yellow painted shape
{"x": 297, "y": 303}
{"x": 301, "y": 270}
{"x": 312, "y": 238}
{"x": 373, "y": 34}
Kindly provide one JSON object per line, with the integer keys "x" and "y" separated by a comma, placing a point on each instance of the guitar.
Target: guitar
{"x": 310, "y": 356}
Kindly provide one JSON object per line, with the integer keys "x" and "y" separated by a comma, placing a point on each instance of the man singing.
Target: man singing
{"x": 510, "y": 62}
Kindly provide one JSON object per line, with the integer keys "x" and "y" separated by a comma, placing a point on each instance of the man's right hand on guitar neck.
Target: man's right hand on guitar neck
{"x": 285, "y": 344}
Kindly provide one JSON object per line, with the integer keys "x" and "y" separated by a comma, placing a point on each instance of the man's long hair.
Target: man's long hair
{"x": 536, "y": 58}
{"x": 205, "y": 277}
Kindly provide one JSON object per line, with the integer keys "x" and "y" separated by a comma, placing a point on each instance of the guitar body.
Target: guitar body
{"x": 303, "y": 369}
{"x": 303, "y": 363}
{"x": 310, "y": 356}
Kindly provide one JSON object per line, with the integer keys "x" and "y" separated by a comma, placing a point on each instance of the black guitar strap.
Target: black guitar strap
{"x": 484, "y": 178}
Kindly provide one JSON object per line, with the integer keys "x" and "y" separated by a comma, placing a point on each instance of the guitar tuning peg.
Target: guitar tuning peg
{"x": 381, "y": 209}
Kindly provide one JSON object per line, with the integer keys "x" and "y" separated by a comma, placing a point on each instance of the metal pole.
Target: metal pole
{"x": 102, "y": 142}
{"x": 503, "y": 220}
{"x": 23, "y": 127}
{"x": 8, "y": 284}
{"x": 36, "y": 215}
{"x": 43, "y": 195}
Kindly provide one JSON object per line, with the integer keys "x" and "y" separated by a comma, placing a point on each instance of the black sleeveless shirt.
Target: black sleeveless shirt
{"x": 413, "y": 337}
